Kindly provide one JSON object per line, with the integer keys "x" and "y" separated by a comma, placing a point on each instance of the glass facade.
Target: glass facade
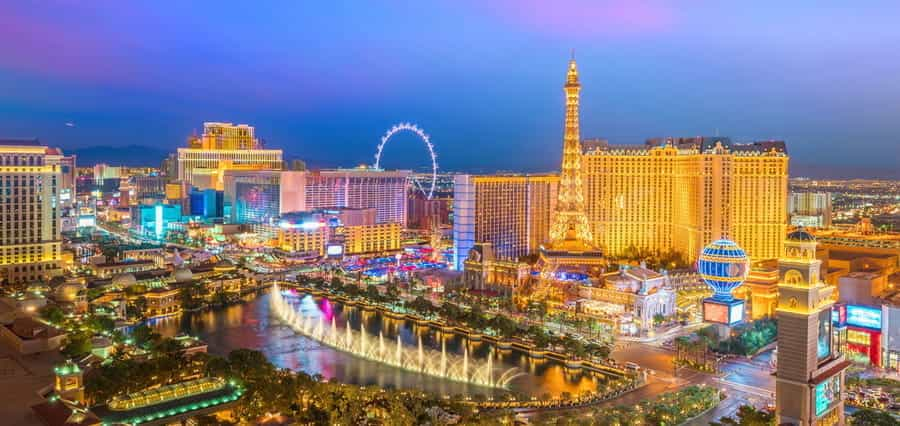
{"x": 256, "y": 202}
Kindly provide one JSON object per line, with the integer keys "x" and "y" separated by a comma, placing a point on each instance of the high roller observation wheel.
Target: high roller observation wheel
{"x": 409, "y": 127}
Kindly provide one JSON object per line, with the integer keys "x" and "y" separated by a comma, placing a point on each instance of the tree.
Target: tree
{"x": 870, "y": 417}
{"x": 79, "y": 344}
{"x": 143, "y": 335}
{"x": 372, "y": 293}
{"x": 748, "y": 415}
{"x": 393, "y": 290}
{"x": 658, "y": 319}
{"x": 53, "y": 314}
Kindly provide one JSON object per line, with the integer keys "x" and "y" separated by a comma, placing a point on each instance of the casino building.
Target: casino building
{"x": 683, "y": 193}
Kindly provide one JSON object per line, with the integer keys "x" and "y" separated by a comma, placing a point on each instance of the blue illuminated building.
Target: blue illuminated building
{"x": 207, "y": 203}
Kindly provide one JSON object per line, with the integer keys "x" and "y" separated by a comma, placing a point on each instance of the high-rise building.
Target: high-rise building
{"x": 810, "y": 378}
{"x": 512, "y": 213}
{"x": 30, "y": 179}
{"x": 384, "y": 191}
{"x": 103, "y": 171}
{"x": 810, "y": 209}
{"x": 207, "y": 160}
{"x": 228, "y": 136}
{"x": 224, "y": 146}
{"x": 261, "y": 196}
{"x": 68, "y": 213}
{"x": 258, "y": 196}
{"x": 682, "y": 194}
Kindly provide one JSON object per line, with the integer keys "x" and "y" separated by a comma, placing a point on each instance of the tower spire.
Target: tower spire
{"x": 570, "y": 224}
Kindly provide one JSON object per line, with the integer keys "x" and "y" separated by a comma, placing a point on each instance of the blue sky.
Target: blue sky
{"x": 323, "y": 80}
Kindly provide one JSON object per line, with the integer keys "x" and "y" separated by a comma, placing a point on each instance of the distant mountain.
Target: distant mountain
{"x": 130, "y": 155}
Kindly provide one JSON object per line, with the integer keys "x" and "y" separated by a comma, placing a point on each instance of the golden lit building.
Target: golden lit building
{"x": 299, "y": 240}
{"x": 223, "y": 146}
{"x": 225, "y": 136}
{"x": 760, "y": 289}
{"x": 30, "y": 183}
{"x": 681, "y": 194}
{"x": 513, "y": 213}
{"x": 162, "y": 301}
{"x": 377, "y": 238}
{"x": 484, "y": 271}
{"x": 189, "y": 159}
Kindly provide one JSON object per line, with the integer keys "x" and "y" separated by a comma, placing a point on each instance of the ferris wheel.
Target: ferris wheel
{"x": 427, "y": 189}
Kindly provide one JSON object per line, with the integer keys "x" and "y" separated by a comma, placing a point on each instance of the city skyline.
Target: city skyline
{"x": 102, "y": 77}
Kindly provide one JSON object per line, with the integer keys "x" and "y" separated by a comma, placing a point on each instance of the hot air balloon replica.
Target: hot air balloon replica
{"x": 723, "y": 266}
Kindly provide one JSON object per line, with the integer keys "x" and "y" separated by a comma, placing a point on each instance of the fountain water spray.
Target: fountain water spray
{"x": 418, "y": 358}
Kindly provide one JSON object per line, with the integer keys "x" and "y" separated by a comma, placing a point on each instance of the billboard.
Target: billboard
{"x": 827, "y": 393}
{"x": 864, "y": 316}
{"x": 719, "y": 312}
{"x": 334, "y": 250}
{"x": 823, "y": 340}
{"x": 839, "y": 315}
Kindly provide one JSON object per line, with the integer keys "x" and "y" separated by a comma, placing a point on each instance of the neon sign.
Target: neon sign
{"x": 864, "y": 316}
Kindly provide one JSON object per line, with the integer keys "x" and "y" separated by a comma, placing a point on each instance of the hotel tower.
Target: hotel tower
{"x": 683, "y": 193}
{"x": 30, "y": 183}
{"x": 809, "y": 381}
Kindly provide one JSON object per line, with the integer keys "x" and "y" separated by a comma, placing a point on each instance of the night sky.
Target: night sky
{"x": 323, "y": 80}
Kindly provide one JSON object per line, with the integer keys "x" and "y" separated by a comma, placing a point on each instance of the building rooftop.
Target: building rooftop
{"x": 169, "y": 401}
{"x": 863, "y": 275}
{"x": 58, "y": 412}
{"x": 28, "y": 328}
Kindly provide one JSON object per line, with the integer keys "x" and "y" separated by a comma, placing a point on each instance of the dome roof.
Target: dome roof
{"x": 68, "y": 292}
{"x": 182, "y": 275}
{"x": 723, "y": 265}
{"x": 800, "y": 234}
{"x": 124, "y": 280}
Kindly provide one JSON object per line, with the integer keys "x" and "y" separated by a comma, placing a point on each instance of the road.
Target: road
{"x": 744, "y": 381}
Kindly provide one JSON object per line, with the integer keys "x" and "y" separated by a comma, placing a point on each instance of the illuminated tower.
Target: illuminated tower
{"x": 570, "y": 228}
{"x": 810, "y": 377}
{"x": 570, "y": 248}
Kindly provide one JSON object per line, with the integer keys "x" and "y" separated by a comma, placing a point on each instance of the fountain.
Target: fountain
{"x": 418, "y": 359}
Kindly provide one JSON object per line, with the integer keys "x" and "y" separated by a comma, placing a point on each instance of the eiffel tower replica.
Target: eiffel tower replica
{"x": 571, "y": 248}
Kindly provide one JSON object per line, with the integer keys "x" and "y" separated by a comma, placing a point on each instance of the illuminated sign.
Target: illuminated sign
{"x": 863, "y": 316}
{"x": 735, "y": 314}
{"x": 334, "y": 250}
{"x": 159, "y": 220}
{"x": 839, "y": 315}
{"x": 728, "y": 313}
{"x": 826, "y": 393}
{"x": 87, "y": 220}
{"x": 714, "y": 312}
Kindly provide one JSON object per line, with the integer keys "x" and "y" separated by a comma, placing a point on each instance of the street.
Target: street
{"x": 743, "y": 381}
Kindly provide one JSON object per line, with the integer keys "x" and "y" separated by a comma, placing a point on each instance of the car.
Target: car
{"x": 632, "y": 366}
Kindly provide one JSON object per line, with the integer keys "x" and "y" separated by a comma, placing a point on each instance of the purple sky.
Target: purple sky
{"x": 324, "y": 80}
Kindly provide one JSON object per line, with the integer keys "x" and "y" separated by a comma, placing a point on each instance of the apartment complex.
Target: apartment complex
{"x": 681, "y": 194}
{"x": 512, "y": 213}
{"x": 30, "y": 183}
